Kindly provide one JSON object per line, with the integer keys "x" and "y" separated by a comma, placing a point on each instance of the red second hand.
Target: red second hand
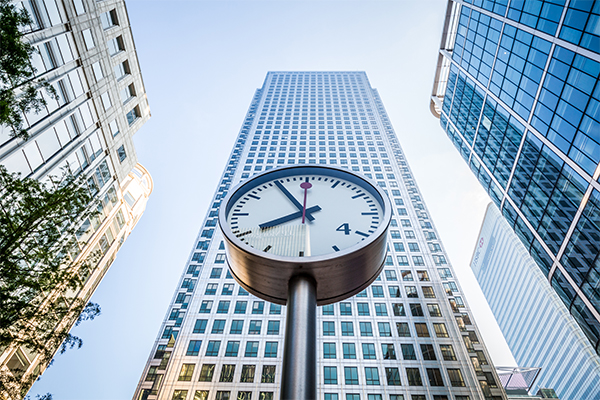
{"x": 305, "y": 186}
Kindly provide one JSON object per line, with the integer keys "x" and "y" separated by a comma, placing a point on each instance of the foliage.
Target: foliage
{"x": 20, "y": 91}
{"x": 40, "y": 271}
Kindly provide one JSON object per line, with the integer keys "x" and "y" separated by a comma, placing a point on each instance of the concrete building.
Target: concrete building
{"x": 517, "y": 92}
{"x": 535, "y": 322}
{"x": 85, "y": 49}
{"x": 409, "y": 336}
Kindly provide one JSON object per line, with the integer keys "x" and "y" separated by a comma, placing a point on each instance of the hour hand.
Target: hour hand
{"x": 289, "y": 217}
{"x": 294, "y": 201}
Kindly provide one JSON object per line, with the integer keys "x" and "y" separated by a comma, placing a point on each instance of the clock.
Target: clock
{"x": 321, "y": 221}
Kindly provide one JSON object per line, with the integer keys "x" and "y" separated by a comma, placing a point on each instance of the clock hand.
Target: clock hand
{"x": 305, "y": 185}
{"x": 293, "y": 199}
{"x": 289, "y": 217}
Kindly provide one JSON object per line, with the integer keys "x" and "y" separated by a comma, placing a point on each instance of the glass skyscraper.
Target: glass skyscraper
{"x": 536, "y": 324}
{"x": 85, "y": 49}
{"x": 516, "y": 90}
{"x": 409, "y": 336}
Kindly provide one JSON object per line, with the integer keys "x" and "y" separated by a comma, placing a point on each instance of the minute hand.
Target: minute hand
{"x": 294, "y": 201}
{"x": 289, "y": 217}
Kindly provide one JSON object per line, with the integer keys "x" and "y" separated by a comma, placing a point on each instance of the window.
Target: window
{"x": 393, "y": 377}
{"x": 133, "y": 115}
{"x": 456, "y": 378}
{"x": 200, "y": 395}
{"x": 349, "y": 350}
{"x": 200, "y": 326}
{"x": 440, "y": 330}
{"x": 218, "y": 326}
{"x": 227, "y": 289}
{"x": 384, "y": 329}
{"x": 390, "y": 275}
{"x": 414, "y": 377}
{"x": 423, "y": 276}
{"x": 215, "y": 273}
{"x": 274, "y": 309}
{"x": 398, "y": 309}
{"x": 408, "y": 351}
{"x": 116, "y": 45}
{"x": 402, "y": 328}
{"x": 186, "y": 373}
{"x": 347, "y": 329}
{"x": 346, "y": 308}
{"x": 213, "y": 348}
{"x": 268, "y": 374}
{"x": 363, "y": 308}
{"x": 411, "y": 291}
{"x": 435, "y": 377}
{"x": 328, "y": 310}
{"x": 206, "y": 373}
{"x": 388, "y": 351}
{"x": 227, "y": 372}
{"x": 193, "y": 348}
{"x": 258, "y": 307}
{"x": 88, "y": 39}
{"x": 351, "y": 375}
{"x": 428, "y": 292}
{"x": 122, "y": 70}
{"x": 422, "y": 330}
{"x": 418, "y": 260}
{"x": 251, "y": 349}
{"x": 223, "y": 307}
{"x": 329, "y": 328}
{"x": 273, "y": 328}
{"x": 416, "y": 310}
{"x": 232, "y": 349}
{"x": 205, "y": 306}
{"x": 329, "y": 350}
{"x": 109, "y": 19}
{"x": 97, "y": 69}
{"x": 366, "y": 329}
{"x": 380, "y": 310}
{"x": 114, "y": 127}
{"x": 255, "y": 327}
{"x": 106, "y": 103}
{"x": 330, "y": 396}
{"x": 377, "y": 291}
{"x": 428, "y": 352}
{"x": 222, "y": 395}
{"x": 330, "y": 375}
{"x": 448, "y": 352}
{"x": 434, "y": 310}
{"x": 179, "y": 395}
{"x": 368, "y": 351}
{"x": 402, "y": 260}
{"x": 211, "y": 288}
{"x": 236, "y": 327}
{"x": 127, "y": 93}
{"x": 271, "y": 349}
{"x": 240, "y": 307}
{"x": 394, "y": 291}
{"x": 372, "y": 375}
{"x": 247, "y": 374}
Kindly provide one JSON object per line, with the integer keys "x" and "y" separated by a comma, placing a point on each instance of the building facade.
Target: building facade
{"x": 535, "y": 322}
{"x": 409, "y": 336}
{"x": 85, "y": 50}
{"x": 516, "y": 90}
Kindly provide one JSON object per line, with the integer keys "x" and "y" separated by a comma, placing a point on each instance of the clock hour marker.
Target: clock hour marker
{"x": 335, "y": 248}
{"x": 245, "y": 233}
{"x": 335, "y": 184}
{"x": 267, "y": 248}
{"x": 254, "y": 197}
{"x": 361, "y": 233}
{"x": 358, "y": 195}
{"x": 300, "y": 254}
{"x": 240, "y": 214}
{"x": 368, "y": 213}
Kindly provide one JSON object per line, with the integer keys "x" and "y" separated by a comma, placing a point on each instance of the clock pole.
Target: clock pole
{"x": 300, "y": 353}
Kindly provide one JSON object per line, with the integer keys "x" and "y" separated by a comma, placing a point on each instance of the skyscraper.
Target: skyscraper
{"x": 85, "y": 49}
{"x": 537, "y": 326}
{"x": 516, "y": 90}
{"x": 409, "y": 336}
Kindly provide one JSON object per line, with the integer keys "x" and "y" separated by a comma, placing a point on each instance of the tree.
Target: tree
{"x": 42, "y": 268}
{"x": 20, "y": 91}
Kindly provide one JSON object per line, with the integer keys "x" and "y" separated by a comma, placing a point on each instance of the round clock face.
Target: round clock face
{"x": 305, "y": 211}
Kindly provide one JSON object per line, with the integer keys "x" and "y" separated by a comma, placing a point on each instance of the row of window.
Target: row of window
{"x": 236, "y": 328}
{"x": 392, "y": 376}
{"x": 388, "y": 352}
{"x": 232, "y": 348}
{"x": 247, "y": 395}
{"x": 384, "y": 329}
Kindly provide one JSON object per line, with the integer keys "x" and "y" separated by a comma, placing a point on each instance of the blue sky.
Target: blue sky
{"x": 201, "y": 62}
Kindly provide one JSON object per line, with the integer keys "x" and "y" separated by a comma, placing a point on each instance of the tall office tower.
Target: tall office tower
{"x": 537, "y": 326}
{"x": 85, "y": 50}
{"x": 516, "y": 90}
{"x": 409, "y": 336}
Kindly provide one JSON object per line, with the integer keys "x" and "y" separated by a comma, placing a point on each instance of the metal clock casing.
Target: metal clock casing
{"x": 340, "y": 273}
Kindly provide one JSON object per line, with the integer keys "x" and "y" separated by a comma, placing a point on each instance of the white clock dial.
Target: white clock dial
{"x": 306, "y": 214}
